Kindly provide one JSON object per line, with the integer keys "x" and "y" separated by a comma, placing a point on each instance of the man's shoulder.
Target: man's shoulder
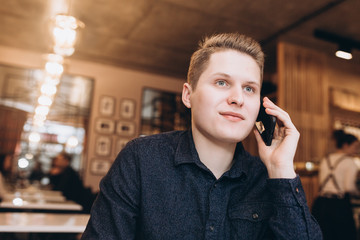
{"x": 165, "y": 138}
{"x": 161, "y": 143}
{"x": 151, "y": 152}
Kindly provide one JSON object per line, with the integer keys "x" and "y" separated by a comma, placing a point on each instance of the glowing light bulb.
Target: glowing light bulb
{"x": 42, "y": 110}
{"x": 18, "y": 201}
{"x": 48, "y": 89}
{"x": 309, "y": 166}
{"x": 23, "y": 163}
{"x": 72, "y": 142}
{"x": 44, "y": 100}
{"x": 34, "y": 137}
{"x": 54, "y": 68}
{"x": 343, "y": 55}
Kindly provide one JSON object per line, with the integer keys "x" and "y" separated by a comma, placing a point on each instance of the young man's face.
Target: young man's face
{"x": 226, "y": 101}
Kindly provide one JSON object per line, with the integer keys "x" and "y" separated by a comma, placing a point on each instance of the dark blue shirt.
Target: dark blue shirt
{"x": 158, "y": 188}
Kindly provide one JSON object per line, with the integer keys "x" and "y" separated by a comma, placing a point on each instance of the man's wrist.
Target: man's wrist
{"x": 286, "y": 192}
{"x": 287, "y": 173}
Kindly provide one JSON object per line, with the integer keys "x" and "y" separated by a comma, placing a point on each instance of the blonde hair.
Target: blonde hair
{"x": 220, "y": 42}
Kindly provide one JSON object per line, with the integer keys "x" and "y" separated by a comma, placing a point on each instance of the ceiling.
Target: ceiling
{"x": 159, "y": 35}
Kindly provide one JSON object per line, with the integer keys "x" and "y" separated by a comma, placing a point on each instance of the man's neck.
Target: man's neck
{"x": 215, "y": 155}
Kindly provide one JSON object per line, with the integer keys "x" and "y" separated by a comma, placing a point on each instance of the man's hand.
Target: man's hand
{"x": 279, "y": 157}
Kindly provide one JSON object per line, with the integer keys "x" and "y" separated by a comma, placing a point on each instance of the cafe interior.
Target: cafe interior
{"x": 86, "y": 77}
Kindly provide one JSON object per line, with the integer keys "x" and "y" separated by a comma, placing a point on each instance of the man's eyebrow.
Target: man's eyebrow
{"x": 221, "y": 74}
{"x": 253, "y": 83}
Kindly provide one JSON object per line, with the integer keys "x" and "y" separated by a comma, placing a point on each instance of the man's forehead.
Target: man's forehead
{"x": 229, "y": 62}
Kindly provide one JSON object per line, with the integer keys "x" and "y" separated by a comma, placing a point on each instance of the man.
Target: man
{"x": 201, "y": 183}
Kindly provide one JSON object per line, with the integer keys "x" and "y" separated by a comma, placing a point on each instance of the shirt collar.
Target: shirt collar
{"x": 186, "y": 153}
{"x": 240, "y": 163}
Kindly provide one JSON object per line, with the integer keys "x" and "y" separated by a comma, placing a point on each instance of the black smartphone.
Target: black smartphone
{"x": 265, "y": 124}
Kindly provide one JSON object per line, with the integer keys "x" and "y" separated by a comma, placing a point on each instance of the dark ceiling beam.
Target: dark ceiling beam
{"x": 334, "y": 38}
{"x": 301, "y": 21}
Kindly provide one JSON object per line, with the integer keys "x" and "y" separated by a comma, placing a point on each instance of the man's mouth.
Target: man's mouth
{"x": 232, "y": 116}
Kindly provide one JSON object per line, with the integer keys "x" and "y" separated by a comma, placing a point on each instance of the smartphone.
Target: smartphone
{"x": 265, "y": 124}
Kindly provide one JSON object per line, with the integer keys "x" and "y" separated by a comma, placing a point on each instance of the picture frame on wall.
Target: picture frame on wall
{"x": 100, "y": 166}
{"x": 104, "y": 126}
{"x": 120, "y": 144}
{"x": 127, "y": 108}
{"x": 125, "y": 128}
{"x": 107, "y": 106}
{"x": 103, "y": 146}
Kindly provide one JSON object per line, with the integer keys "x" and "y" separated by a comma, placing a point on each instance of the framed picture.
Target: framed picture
{"x": 120, "y": 144}
{"x": 125, "y": 128}
{"x": 107, "y": 106}
{"x": 103, "y": 146}
{"x": 104, "y": 126}
{"x": 127, "y": 108}
{"x": 100, "y": 166}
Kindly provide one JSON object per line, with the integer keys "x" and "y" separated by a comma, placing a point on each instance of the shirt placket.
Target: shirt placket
{"x": 213, "y": 223}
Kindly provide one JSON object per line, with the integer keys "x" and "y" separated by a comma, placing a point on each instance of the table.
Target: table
{"x": 39, "y": 195}
{"x": 19, "y": 204}
{"x": 24, "y": 222}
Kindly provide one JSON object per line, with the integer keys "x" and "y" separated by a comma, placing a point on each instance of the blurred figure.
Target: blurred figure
{"x": 6, "y": 165}
{"x": 5, "y": 173}
{"x": 337, "y": 177}
{"x": 65, "y": 179}
{"x": 37, "y": 173}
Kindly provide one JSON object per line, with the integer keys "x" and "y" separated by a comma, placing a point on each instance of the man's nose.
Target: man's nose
{"x": 236, "y": 97}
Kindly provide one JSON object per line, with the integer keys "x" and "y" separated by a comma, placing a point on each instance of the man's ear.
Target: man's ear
{"x": 186, "y": 95}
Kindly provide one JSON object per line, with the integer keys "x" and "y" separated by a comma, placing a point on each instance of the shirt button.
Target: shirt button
{"x": 255, "y": 216}
{"x": 212, "y": 228}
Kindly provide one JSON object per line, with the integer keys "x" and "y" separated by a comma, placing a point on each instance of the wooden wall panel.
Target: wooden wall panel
{"x": 311, "y": 186}
{"x": 303, "y": 93}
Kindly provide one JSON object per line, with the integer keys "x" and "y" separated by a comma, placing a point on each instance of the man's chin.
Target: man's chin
{"x": 236, "y": 135}
{"x": 233, "y": 138}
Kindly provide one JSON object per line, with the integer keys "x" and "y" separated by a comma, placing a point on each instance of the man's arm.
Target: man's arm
{"x": 278, "y": 158}
{"x": 292, "y": 218}
{"x": 115, "y": 211}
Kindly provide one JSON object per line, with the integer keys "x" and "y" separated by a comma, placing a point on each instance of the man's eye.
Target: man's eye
{"x": 249, "y": 89}
{"x": 221, "y": 83}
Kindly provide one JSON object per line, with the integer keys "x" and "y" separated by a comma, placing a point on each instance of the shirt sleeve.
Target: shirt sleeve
{"x": 115, "y": 211}
{"x": 292, "y": 218}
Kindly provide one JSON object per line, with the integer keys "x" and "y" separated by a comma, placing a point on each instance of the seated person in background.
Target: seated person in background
{"x": 37, "y": 173}
{"x": 65, "y": 179}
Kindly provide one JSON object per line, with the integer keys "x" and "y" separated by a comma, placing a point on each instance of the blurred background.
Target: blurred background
{"x": 85, "y": 77}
